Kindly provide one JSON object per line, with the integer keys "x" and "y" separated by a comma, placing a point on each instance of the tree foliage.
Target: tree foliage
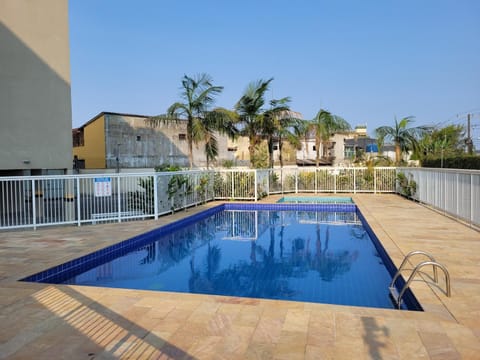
{"x": 198, "y": 96}
{"x": 324, "y": 125}
{"x": 447, "y": 142}
{"x": 404, "y": 137}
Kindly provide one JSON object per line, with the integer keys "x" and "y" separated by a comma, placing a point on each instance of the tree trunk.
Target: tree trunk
{"x": 207, "y": 156}
{"x": 190, "y": 152}
{"x": 398, "y": 153}
{"x": 270, "y": 152}
{"x": 317, "y": 151}
{"x": 280, "y": 148}
{"x": 190, "y": 141}
{"x": 251, "y": 149}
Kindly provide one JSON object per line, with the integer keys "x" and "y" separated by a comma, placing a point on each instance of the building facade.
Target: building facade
{"x": 35, "y": 102}
{"x": 334, "y": 150}
{"x": 126, "y": 141}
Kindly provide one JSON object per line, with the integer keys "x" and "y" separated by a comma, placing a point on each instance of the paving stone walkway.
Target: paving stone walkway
{"x": 40, "y": 321}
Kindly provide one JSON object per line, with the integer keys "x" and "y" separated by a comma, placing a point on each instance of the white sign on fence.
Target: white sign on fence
{"x": 103, "y": 186}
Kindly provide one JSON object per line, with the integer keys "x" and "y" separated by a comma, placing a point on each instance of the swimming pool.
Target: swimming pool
{"x": 315, "y": 200}
{"x": 301, "y": 252}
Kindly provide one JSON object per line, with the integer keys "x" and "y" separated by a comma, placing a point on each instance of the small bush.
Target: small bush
{"x": 167, "y": 167}
{"x": 407, "y": 185}
{"x": 228, "y": 164}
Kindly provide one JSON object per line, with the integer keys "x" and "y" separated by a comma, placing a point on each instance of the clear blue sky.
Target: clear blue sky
{"x": 367, "y": 61}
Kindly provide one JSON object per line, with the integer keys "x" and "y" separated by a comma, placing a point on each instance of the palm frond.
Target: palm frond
{"x": 178, "y": 110}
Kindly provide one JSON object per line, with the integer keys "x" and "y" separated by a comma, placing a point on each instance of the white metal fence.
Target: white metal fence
{"x": 452, "y": 191}
{"x": 80, "y": 199}
{"x": 331, "y": 180}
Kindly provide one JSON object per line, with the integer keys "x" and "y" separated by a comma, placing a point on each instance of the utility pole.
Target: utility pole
{"x": 469, "y": 138}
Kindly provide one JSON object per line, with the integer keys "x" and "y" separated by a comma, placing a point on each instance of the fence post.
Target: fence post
{"x": 268, "y": 180}
{"x": 354, "y": 181}
{"x": 232, "y": 196}
{"x": 155, "y": 196}
{"x": 78, "y": 202}
{"x": 374, "y": 180}
{"x": 281, "y": 178}
{"x": 34, "y": 207}
{"x": 185, "y": 194}
{"x": 335, "y": 182}
{"x": 315, "y": 179}
{"x": 296, "y": 181}
{"x": 471, "y": 200}
{"x": 457, "y": 196}
{"x": 445, "y": 192}
{"x": 119, "y": 201}
{"x": 256, "y": 189}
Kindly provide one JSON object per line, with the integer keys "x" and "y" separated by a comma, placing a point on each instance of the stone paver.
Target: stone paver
{"x": 40, "y": 321}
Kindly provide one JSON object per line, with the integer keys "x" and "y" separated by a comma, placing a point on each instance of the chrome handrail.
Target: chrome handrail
{"x": 398, "y": 296}
{"x": 408, "y": 256}
{"x": 417, "y": 268}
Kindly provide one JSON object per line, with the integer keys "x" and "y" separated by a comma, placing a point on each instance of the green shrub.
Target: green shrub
{"x": 407, "y": 185}
{"x": 228, "y": 164}
{"x": 471, "y": 162}
{"x": 167, "y": 167}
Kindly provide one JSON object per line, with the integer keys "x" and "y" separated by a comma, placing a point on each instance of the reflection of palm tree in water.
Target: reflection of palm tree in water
{"x": 262, "y": 276}
{"x": 204, "y": 282}
{"x": 330, "y": 264}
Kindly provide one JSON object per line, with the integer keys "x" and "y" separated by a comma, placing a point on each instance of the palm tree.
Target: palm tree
{"x": 198, "y": 95}
{"x": 287, "y": 127}
{"x": 278, "y": 122}
{"x": 302, "y": 130}
{"x": 259, "y": 124}
{"x": 219, "y": 119}
{"x": 404, "y": 138}
{"x": 250, "y": 111}
{"x": 325, "y": 124}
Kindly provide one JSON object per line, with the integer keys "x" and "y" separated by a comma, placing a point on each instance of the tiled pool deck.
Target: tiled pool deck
{"x": 40, "y": 321}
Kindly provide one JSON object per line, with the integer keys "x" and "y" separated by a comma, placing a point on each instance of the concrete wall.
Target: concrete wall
{"x": 339, "y": 147}
{"x": 135, "y": 144}
{"x": 35, "y": 104}
{"x": 139, "y": 145}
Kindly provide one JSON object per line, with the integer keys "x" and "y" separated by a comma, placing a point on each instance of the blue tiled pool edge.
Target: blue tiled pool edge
{"x": 409, "y": 298}
{"x": 71, "y": 268}
{"x": 315, "y": 200}
{"x": 59, "y": 273}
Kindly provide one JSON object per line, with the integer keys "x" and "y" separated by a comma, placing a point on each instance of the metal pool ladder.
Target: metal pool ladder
{"x": 398, "y": 296}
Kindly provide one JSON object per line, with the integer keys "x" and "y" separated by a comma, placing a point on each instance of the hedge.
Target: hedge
{"x": 464, "y": 162}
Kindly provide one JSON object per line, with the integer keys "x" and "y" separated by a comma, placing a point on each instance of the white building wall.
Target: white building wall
{"x": 35, "y": 104}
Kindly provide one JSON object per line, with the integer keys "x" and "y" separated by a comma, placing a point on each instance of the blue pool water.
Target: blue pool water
{"x": 315, "y": 200}
{"x": 314, "y": 253}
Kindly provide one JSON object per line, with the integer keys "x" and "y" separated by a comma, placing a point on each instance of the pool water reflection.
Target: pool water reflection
{"x": 314, "y": 256}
